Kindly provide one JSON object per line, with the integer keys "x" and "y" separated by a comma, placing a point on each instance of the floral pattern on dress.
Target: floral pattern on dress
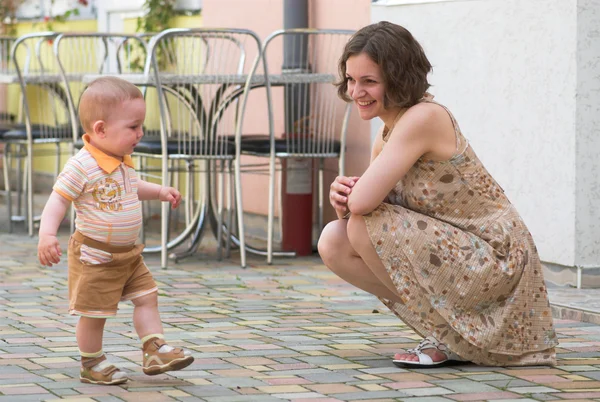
{"x": 464, "y": 263}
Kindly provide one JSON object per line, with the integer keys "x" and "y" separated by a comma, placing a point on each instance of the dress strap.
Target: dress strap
{"x": 428, "y": 98}
{"x": 386, "y": 130}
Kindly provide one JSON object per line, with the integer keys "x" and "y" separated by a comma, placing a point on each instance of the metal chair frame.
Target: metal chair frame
{"x": 302, "y": 146}
{"x": 45, "y": 78}
{"x": 207, "y": 145}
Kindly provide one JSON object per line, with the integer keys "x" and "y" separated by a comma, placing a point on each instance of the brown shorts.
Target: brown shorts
{"x": 101, "y": 275}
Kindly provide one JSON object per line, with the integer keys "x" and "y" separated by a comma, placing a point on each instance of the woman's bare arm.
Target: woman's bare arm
{"x": 424, "y": 129}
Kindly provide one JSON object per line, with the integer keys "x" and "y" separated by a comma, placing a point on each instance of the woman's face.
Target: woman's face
{"x": 366, "y": 87}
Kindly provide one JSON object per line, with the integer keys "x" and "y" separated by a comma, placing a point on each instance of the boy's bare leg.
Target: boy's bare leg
{"x": 146, "y": 318}
{"x": 95, "y": 369}
{"x": 89, "y": 332}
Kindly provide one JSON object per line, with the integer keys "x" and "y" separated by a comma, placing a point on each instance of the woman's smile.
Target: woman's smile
{"x": 364, "y": 104}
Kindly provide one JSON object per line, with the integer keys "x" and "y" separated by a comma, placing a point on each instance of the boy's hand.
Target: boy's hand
{"x": 48, "y": 250}
{"x": 170, "y": 194}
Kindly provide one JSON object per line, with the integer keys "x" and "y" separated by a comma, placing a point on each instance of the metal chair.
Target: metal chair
{"x": 7, "y": 117}
{"x": 315, "y": 119}
{"x": 44, "y": 111}
{"x": 196, "y": 71}
{"x": 7, "y": 74}
{"x": 152, "y": 140}
{"x": 82, "y": 56}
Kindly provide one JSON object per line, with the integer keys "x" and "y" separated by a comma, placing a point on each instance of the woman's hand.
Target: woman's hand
{"x": 339, "y": 191}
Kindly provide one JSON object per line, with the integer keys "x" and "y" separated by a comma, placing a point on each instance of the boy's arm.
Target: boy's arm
{"x": 148, "y": 191}
{"x": 53, "y": 214}
{"x": 48, "y": 247}
{"x": 152, "y": 191}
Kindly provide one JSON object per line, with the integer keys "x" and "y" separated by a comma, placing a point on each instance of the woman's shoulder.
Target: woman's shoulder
{"x": 430, "y": 128}
{"x": 427, "y": 113}
{"x": 424, "y": 118}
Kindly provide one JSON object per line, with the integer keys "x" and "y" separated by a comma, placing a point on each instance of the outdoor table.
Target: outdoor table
{"x": 241, "y": 79}
{"x": 31, "y": 79}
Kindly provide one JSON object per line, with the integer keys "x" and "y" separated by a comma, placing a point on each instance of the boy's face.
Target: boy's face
{"x": 122, "y": 130}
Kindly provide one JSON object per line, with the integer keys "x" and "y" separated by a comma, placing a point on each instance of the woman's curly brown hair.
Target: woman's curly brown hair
{"x": 401, "y": 58}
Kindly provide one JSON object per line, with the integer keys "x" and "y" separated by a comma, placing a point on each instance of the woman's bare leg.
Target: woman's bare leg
{"x": 342, "y": 260}
{"x": 361, "y": 242}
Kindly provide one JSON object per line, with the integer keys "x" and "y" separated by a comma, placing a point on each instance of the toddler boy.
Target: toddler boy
{"x": 105, "y": 264}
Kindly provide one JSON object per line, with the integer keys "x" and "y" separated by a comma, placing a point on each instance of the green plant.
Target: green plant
{"x": 49, "y": 20}
{"x": 157, "y": 15}
{"x": 8, "y": 19}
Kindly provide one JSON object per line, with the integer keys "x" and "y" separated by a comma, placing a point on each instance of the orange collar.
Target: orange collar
{"x": 106, "y": 162}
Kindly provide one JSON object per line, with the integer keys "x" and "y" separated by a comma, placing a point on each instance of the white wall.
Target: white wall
{"x": 588, "y": 134}
{"x": 508, "y": 70}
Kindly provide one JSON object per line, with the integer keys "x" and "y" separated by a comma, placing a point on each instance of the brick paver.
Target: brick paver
{"x": 292, "y": 331}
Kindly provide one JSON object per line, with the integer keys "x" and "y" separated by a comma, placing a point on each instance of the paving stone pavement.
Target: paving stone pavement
{"x": 288, "y": 332}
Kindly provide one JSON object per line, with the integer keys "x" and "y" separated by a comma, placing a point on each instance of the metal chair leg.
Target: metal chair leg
{"x": 175, "y": 180}
{"x": 220, "y": 191}
{"x": 164, "y": 218}
{"x": 20, "y": 179}
{"x": 240, "y": 211}
{"x": 138, "y": 167}
{"x": 189, "y": 192}
{"x": 29, "y": 167}
{"x": 57, "y": 161}
{"x": 320, "y": 192}
{"x": 230, "y": 202}
{"x": 7, "y": 164}
{"x": 270, "y": 218}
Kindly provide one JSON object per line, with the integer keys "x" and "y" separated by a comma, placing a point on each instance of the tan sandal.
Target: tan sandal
{"x": 156, "y": 362}
{"x": 106, "y": 374}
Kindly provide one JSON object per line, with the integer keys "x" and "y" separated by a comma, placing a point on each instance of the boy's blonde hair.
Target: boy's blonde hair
{"x": 101, "y": 97}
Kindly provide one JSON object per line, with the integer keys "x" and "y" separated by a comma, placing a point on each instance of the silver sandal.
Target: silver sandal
{"x": 424, "y": 359}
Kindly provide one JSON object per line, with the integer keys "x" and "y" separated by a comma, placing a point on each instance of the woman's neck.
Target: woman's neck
{"x": 392, "y": 117}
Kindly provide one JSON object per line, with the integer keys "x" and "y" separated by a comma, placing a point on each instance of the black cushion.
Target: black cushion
{"x": 151, "y": 144}
{"x": 181, "y": 148}
{"x": 38, "y": 131}
{"x": 260, "y": 144}
{"x": 5, "y": 127}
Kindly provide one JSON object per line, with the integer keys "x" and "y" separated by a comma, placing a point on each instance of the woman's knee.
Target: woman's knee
{"x": 332, "y": 239}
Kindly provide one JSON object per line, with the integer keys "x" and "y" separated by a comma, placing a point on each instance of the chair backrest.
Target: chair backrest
{"x": 6, "y": 44}
{"x": 315, "y": 118}
{"x": 197, "y": 72}
{"x": 6, "y": 69}
{"x": 44, "y": 99}
{"x": 82, "y": 56}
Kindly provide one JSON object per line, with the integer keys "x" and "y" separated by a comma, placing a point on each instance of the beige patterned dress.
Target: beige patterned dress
{"x": 464, "y": 263}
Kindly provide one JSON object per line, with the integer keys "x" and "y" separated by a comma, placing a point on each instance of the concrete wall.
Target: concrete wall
{"x": 587, "y": 222}
{"x": 521, "y": 78}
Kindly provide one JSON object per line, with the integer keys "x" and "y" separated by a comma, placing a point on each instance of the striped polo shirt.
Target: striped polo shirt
{"x": 104, "y": 192}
